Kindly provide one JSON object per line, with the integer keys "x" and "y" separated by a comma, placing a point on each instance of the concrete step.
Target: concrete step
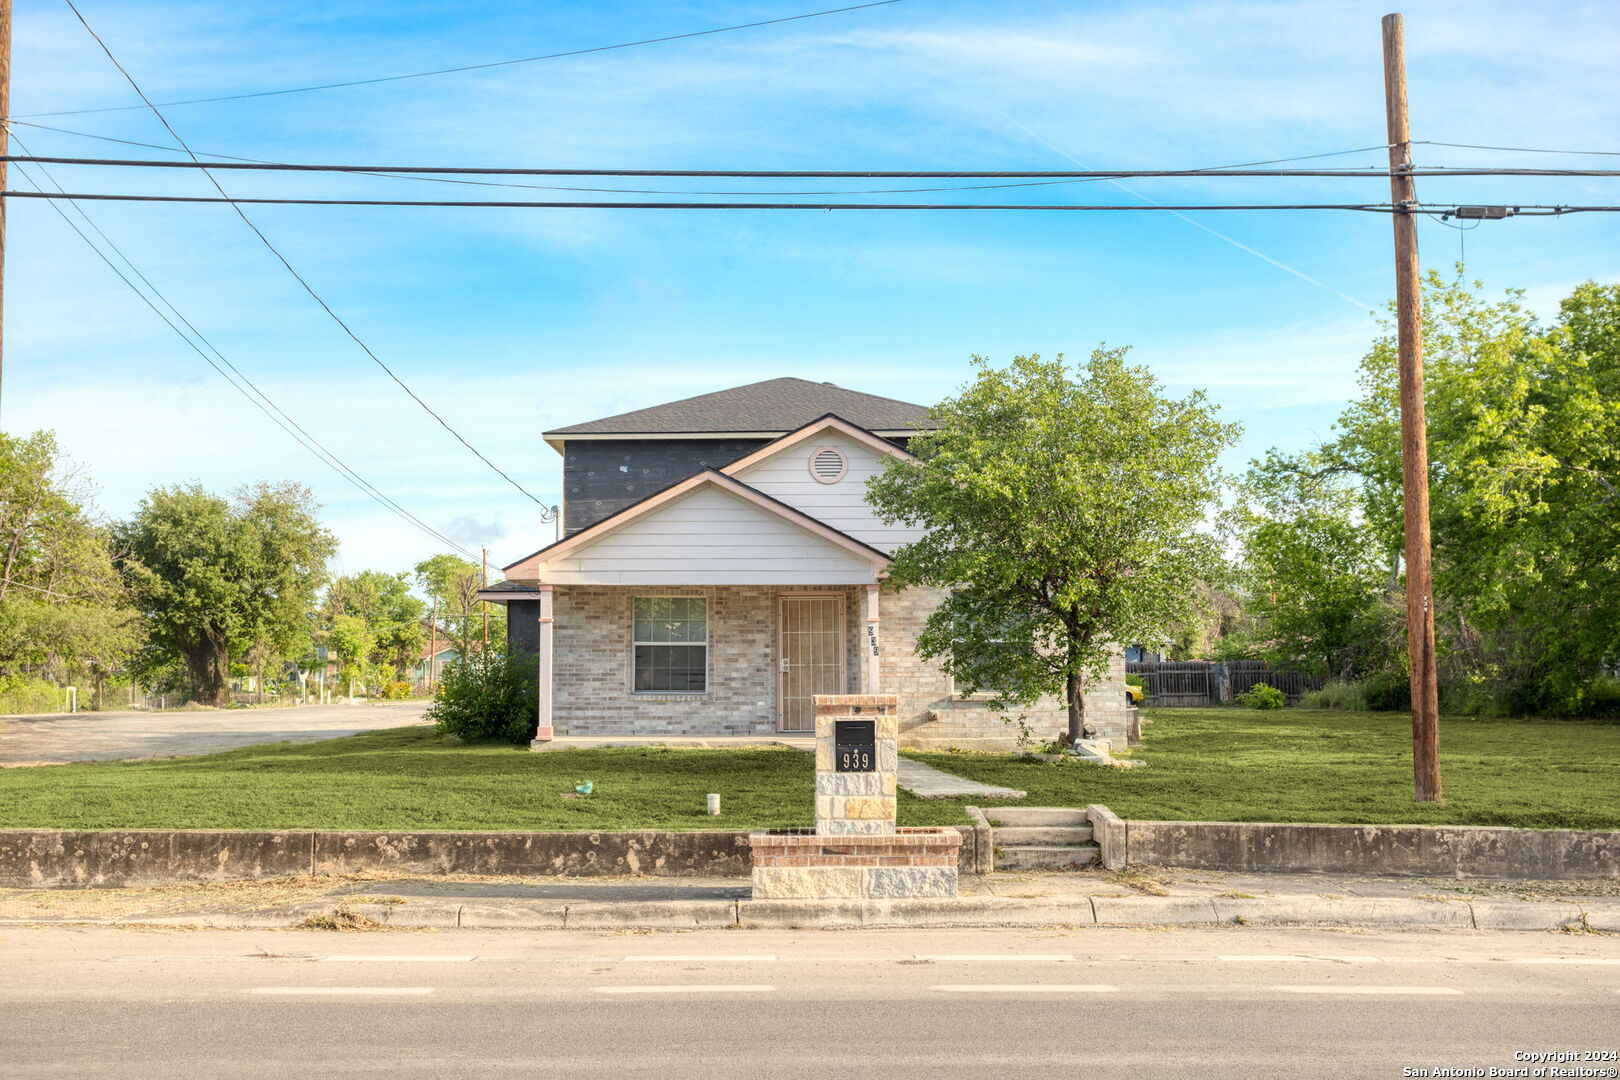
{"x": 1035, "y": 816}
{"x": 1046, "y": 858}
{"x": 1041, "y": 835}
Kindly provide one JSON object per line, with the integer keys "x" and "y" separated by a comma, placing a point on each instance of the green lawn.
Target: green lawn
{"x": 1312, "y": 765}
{"x": 414, "y": 778}
{"x": 1220, "y": 764}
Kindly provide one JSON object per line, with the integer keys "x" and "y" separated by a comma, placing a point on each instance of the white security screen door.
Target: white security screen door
{"x": 811, "y": 657}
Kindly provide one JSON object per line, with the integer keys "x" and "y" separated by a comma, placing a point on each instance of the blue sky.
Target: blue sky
{"x": 512, "y": 321}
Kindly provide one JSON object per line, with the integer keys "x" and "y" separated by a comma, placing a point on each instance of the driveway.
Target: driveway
{"x": 53, "y": 739}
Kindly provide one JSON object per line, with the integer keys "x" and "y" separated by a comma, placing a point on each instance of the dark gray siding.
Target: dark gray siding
{"x": 602, "y": 478}
{"x": 523, "y": 626}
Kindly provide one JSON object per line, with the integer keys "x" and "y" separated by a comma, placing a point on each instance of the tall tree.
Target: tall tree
{"x": 212, "y": 574}
{"x": 393, "y": 617}
{"x": 1066, "y": 510}
{"x": 63, "y": 610}
{"x": 454, "y": 582}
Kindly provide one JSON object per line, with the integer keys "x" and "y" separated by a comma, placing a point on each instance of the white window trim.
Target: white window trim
{"x": 708, "y": 609}
{"x": 843, "y": 464}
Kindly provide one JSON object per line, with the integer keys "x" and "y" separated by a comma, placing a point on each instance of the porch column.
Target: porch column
{"x": 543, "y": 725}
{"x": 870, "y": 648}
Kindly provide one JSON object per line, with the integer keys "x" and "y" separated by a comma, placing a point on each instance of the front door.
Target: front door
{"x": 810, "y": 656}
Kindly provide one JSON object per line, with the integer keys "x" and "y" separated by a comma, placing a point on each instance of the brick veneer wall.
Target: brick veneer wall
{"x": 591, "y": 692}
{"x": 931, "y": 713}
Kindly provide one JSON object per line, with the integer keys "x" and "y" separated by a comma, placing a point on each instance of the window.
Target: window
{"x": 671, "y": 644}
{"x": 828, "y": 464}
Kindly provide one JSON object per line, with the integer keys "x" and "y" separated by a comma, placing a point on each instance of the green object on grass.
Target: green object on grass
{"x": 583, "y": 789}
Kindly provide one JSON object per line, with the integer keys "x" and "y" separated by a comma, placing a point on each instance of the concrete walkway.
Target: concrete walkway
{"x": 927, "y": 782}
{"x": 54, "y": 739}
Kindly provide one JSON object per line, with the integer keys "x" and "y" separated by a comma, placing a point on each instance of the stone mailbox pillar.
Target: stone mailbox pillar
{"x": 855, "y": 851}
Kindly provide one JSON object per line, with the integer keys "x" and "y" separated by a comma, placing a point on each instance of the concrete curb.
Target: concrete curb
{"x": 1382, "y": 913}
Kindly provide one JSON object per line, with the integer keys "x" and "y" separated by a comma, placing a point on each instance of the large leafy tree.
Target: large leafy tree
{"x": 63, "y": 609}
{"x": 213, "y": 574}
{"x": 391, "y": 616}
{"x": 1524, "y": 446}
{"x": 454, "y": 583}
{"x": 1065, "y": 509}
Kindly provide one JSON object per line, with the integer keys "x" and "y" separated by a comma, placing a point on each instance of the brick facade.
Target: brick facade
{"x": 592, "y": 686}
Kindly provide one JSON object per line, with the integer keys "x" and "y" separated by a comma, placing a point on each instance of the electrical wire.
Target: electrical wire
{"x": 1371, "y": 172}
{"x": 643, "y": 191}
{"x": 546, "y": 513}
{"x": 1517, "y": 149}
{"x": 1384, "y": 208}
{"x": 472, "y": 67}
{"x": 258, "y": 397}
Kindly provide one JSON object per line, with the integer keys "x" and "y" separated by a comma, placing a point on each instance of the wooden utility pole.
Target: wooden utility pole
{"x": 5, "y": 148}
{"x": 483, "y": 583}
{"x": 433, "y": 641}
{"x": 1414, "y": 444}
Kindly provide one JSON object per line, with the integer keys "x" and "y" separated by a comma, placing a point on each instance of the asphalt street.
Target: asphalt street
{"x": 722, "y": 1004}
{"x": 53, "y": 739}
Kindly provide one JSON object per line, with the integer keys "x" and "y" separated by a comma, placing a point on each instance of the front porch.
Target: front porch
{"x": 636, "y": 663}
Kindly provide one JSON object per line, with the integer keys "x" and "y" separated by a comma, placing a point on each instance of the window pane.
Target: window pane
{"x": 671, "y": 618}
{"x": 671, "y": 668}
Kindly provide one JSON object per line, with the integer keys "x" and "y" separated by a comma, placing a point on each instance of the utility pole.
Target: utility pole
{"x": 1414, "y": 445}
{"x": 483, "y": 583}
{"x": 433, "y": 642}
{"x": 5, "y": 149}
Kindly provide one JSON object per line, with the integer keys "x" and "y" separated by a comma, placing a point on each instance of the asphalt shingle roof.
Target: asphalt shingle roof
{"x": 775, "y": 405}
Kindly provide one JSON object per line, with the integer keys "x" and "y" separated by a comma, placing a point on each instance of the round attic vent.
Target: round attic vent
{"x": 828, "y": 465}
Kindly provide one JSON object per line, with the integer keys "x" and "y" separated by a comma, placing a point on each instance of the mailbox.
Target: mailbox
{"x": 854, "y": 746}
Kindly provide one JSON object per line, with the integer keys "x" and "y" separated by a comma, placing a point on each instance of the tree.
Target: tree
{"x": 391, "y": 615}
{"x": 1316, "y": 571}
{"x": 454, "y": 583}
{"x": 211, "y": 574}
{"x": 1524, "y": 449}
{"x": 1065, "y": 511}
{"x": 64, "y": 612}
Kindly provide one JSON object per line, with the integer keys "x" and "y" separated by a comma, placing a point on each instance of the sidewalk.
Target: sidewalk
{"x": 1134, "y": 897}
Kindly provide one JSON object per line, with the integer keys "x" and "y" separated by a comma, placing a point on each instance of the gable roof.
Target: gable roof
{"x": 526, "y": 566}
{"x": 769, "y": 408}
{"x": 819, "y": 426}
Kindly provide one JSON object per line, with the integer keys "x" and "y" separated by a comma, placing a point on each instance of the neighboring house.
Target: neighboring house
{"x": 431, "y": 660}
{"x": 720, "y": 566}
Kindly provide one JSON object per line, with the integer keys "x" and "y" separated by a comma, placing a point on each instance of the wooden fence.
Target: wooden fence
{"x": 1201, "y": 682}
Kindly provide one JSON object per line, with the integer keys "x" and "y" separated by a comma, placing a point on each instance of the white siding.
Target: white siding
{"x": 785, "y": 476}
{"x": 710, "y": 537}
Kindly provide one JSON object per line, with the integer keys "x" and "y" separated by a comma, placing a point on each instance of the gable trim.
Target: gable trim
{"x": 819, "y": 426}
{"x": 596, "y": 531}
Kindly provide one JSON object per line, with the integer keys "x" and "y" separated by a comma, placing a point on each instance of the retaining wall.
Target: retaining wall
{"x": 1409, "y": 850}
{"x": 52, "y": 858}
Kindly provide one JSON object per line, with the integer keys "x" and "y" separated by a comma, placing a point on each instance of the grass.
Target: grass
{"x": 415, "y": 778}
{"x": 1209, "y": 764}
{"x": 1330, "y": 766}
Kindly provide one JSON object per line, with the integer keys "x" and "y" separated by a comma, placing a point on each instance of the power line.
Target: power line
{"x": 263, "y": 401}
{"x": 1533, "y": 210}
{"x": 470, "y": 67}
{"x": 1370, "y": 171}
{"x": 546, "y": 513}
{"x": 1516, "y": 149}
{"x": 642, "y": 191}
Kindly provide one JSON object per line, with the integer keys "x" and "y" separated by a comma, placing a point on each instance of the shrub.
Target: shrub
{"x": 1137, "y": 681}
{"x": 487, "y": 696}
{"x": 21, "y": 694}
{"x": 1336, "y": 695}
{"x": 1600, "y": 700}
{"x": 396, "y": 689}
{"x": 1262, "y": 696}
{"x": 1388, "y": 691}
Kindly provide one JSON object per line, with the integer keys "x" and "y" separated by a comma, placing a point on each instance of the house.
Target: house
{"x": 719, "y": 566}
{"x": 432, "y": 658}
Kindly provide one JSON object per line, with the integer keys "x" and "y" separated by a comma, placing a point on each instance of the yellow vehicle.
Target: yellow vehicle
{"x": 1133, "y": 694}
